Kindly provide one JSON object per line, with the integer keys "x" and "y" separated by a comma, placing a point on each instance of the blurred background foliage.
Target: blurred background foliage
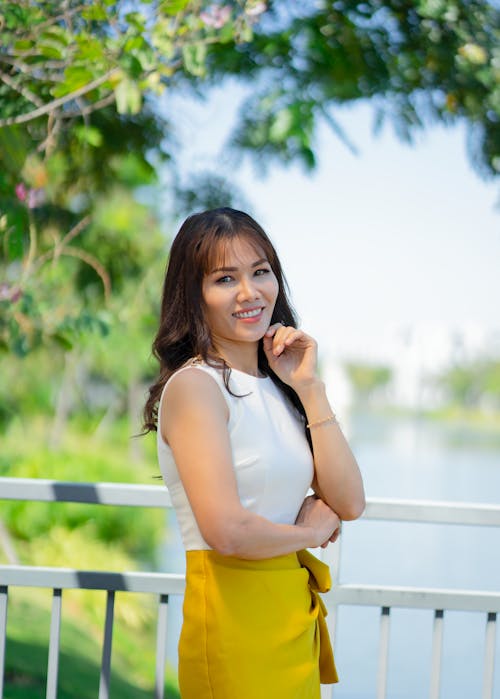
{"x": 85, "y": 223}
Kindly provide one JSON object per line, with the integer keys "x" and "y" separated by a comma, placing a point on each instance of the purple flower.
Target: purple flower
{"x": 21, "y": 191}
{"x": 15, "y": 294}
{"x": 10, "y": 293}
{"x": 216, "y": 16}
{"x": 36, "y": 197}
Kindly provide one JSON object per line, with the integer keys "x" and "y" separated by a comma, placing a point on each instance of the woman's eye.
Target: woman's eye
{"x": 264, "y": 270}
{"x": 223, "y": 280}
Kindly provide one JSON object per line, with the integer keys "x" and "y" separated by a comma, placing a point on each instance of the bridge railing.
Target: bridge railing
{"x": 439, "y": 600}
{"x": 165, "y": 584}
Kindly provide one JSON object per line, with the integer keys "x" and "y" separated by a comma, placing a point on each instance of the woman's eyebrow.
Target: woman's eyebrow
{"x": 235, "y": 269}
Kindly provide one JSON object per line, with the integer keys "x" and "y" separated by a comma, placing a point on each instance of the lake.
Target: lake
{"x": 410, "y": 458}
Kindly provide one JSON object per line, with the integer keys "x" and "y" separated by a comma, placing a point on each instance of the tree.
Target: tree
{"x": 473, "y": 384}
{"x": 367, "y": 380}
{"x": 416, "y": 62}
{"x": 79, "y": 124}
{"x": 72, "y": 231}
{"x": 78, "y": 136}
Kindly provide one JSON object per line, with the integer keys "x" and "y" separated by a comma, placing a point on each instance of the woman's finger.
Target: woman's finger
{"x": 275, "y": 338}
{"x": 293, "y": 336}
{"x": 272, "y": 329}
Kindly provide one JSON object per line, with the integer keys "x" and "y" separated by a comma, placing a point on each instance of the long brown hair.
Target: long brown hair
{"x": 183, "y": 333}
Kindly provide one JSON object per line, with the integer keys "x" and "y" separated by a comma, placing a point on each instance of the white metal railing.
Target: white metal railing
{"x": 387, "y": 597}
{"x": 383, "y": 597}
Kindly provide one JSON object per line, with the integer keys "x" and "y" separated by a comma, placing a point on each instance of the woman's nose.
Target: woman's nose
{"x": 247, "y": 290}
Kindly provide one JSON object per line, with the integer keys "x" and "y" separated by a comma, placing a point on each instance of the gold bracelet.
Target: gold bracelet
{"x": 316, "y": 423}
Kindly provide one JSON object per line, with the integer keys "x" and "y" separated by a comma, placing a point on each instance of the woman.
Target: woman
{"x": 244, "y": 430}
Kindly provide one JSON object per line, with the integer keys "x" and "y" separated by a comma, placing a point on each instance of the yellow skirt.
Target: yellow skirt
{"x": 254, "y": 629}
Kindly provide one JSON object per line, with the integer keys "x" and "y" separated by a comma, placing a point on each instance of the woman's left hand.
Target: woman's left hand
{"x": 292, "y": 355}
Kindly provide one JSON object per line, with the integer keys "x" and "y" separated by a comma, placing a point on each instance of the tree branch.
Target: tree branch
{"x": 58, "y": 18}
{"x": 53, "y": 128}
{"x": 94, "y": 263}
{"x": 24, "y": 91}
{"x": 59, "y": 245}
{"x": 76, "y": 230}
{"x": 106, "y": 101}
{"x": 34, "y": 71}
{"x": 51, "y": 106}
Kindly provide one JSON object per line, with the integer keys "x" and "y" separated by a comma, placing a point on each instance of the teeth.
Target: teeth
{"x": 248, "y": 314}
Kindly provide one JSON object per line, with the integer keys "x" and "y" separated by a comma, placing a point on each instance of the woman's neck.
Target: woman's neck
{"x": 243, "y": 357}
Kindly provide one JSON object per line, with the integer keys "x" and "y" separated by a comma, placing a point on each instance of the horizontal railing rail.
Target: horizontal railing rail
{"x": 165, "y": 584}
{"x": 117, "y": 494}
{"x": 71, "y": 579}
{"x": 418, "y": 598}
{"x": 138, "y": 495}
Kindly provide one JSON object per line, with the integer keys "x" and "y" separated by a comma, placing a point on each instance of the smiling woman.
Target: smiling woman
{"x": 244, "y": 430}
{"x": 239, "y": 301}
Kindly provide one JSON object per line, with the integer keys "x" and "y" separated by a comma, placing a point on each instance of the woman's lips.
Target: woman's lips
{"x": 249, "y": 315}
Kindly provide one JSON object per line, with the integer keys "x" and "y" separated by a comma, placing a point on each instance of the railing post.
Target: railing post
{"x": 106, "y": 648}
{"x": 4, "y": 591}
{"x": 437, "y": 647}
{"x": 161, "y": 647}
{"x": 55, "y": 629}
{"x": 383, "y": 658}
{"x": 489, "y": 656}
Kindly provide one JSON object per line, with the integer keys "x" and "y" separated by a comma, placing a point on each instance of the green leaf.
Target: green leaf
{"x": 136, "y": 20}
{"x": 431, "y": 8}
{"x": 15, "y": 17}
{"x": 13, "y": 148}
{"x": 50, "y": 51}
{"x": 75, "y": 77}
{"x": 161, "y": 39}
{"x": 15, "y": 243}
{"x": 173, "y": 7}
{"x": 23, "y": 44}
{"x": 131, "y": 65}
{"x": 89, "y": 134}
{"x": 62, "y": 340}
{"x": 95, "y": 13}
{"x": 281, "y": 125}
{"x": 89, "y": 48}
{"x": 474, "y": 54}
{"x": 128, "y": 97}
{"x": 246, "y": 34}
{"x": 193, "y": 56}
{"x": 226, "y": 33}
{"x": 56, "y": 36}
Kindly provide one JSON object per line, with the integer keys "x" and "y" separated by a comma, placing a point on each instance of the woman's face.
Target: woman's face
{"x": 239, "y": 295}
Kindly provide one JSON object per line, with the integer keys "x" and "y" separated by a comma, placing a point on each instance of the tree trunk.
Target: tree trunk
{"x": 135, "y": 402}
{"x": 64, "y": 401}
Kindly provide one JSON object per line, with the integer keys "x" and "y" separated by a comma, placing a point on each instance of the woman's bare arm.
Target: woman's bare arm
{"x": 292, "y": 354}
{"x": 194, "y": 423}
{"x": 337, "y": 477}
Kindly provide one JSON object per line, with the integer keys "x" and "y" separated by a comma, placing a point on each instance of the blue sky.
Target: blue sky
{"x": 396, "y": 235}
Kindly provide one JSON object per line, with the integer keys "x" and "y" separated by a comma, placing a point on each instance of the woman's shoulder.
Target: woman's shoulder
{"x": 192, "y": 373}
{"x": 195, "y": 381}
{"x": 190, "y": 388}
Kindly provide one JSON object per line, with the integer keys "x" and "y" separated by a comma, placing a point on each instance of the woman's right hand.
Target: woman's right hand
{"x": 317, "y": 515}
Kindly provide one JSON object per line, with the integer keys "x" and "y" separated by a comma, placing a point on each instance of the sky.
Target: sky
{"x": 395, "y": 236}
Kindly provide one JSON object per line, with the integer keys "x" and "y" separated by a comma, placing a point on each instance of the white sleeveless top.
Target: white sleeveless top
{"x": 271, "y": 456}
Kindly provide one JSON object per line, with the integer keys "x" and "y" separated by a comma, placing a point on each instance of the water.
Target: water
{"x": 417, "y": 459}
{"x": 412, "y": 459}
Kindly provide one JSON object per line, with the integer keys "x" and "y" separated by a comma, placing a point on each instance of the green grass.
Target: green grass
{"x": 133, "y": 653}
